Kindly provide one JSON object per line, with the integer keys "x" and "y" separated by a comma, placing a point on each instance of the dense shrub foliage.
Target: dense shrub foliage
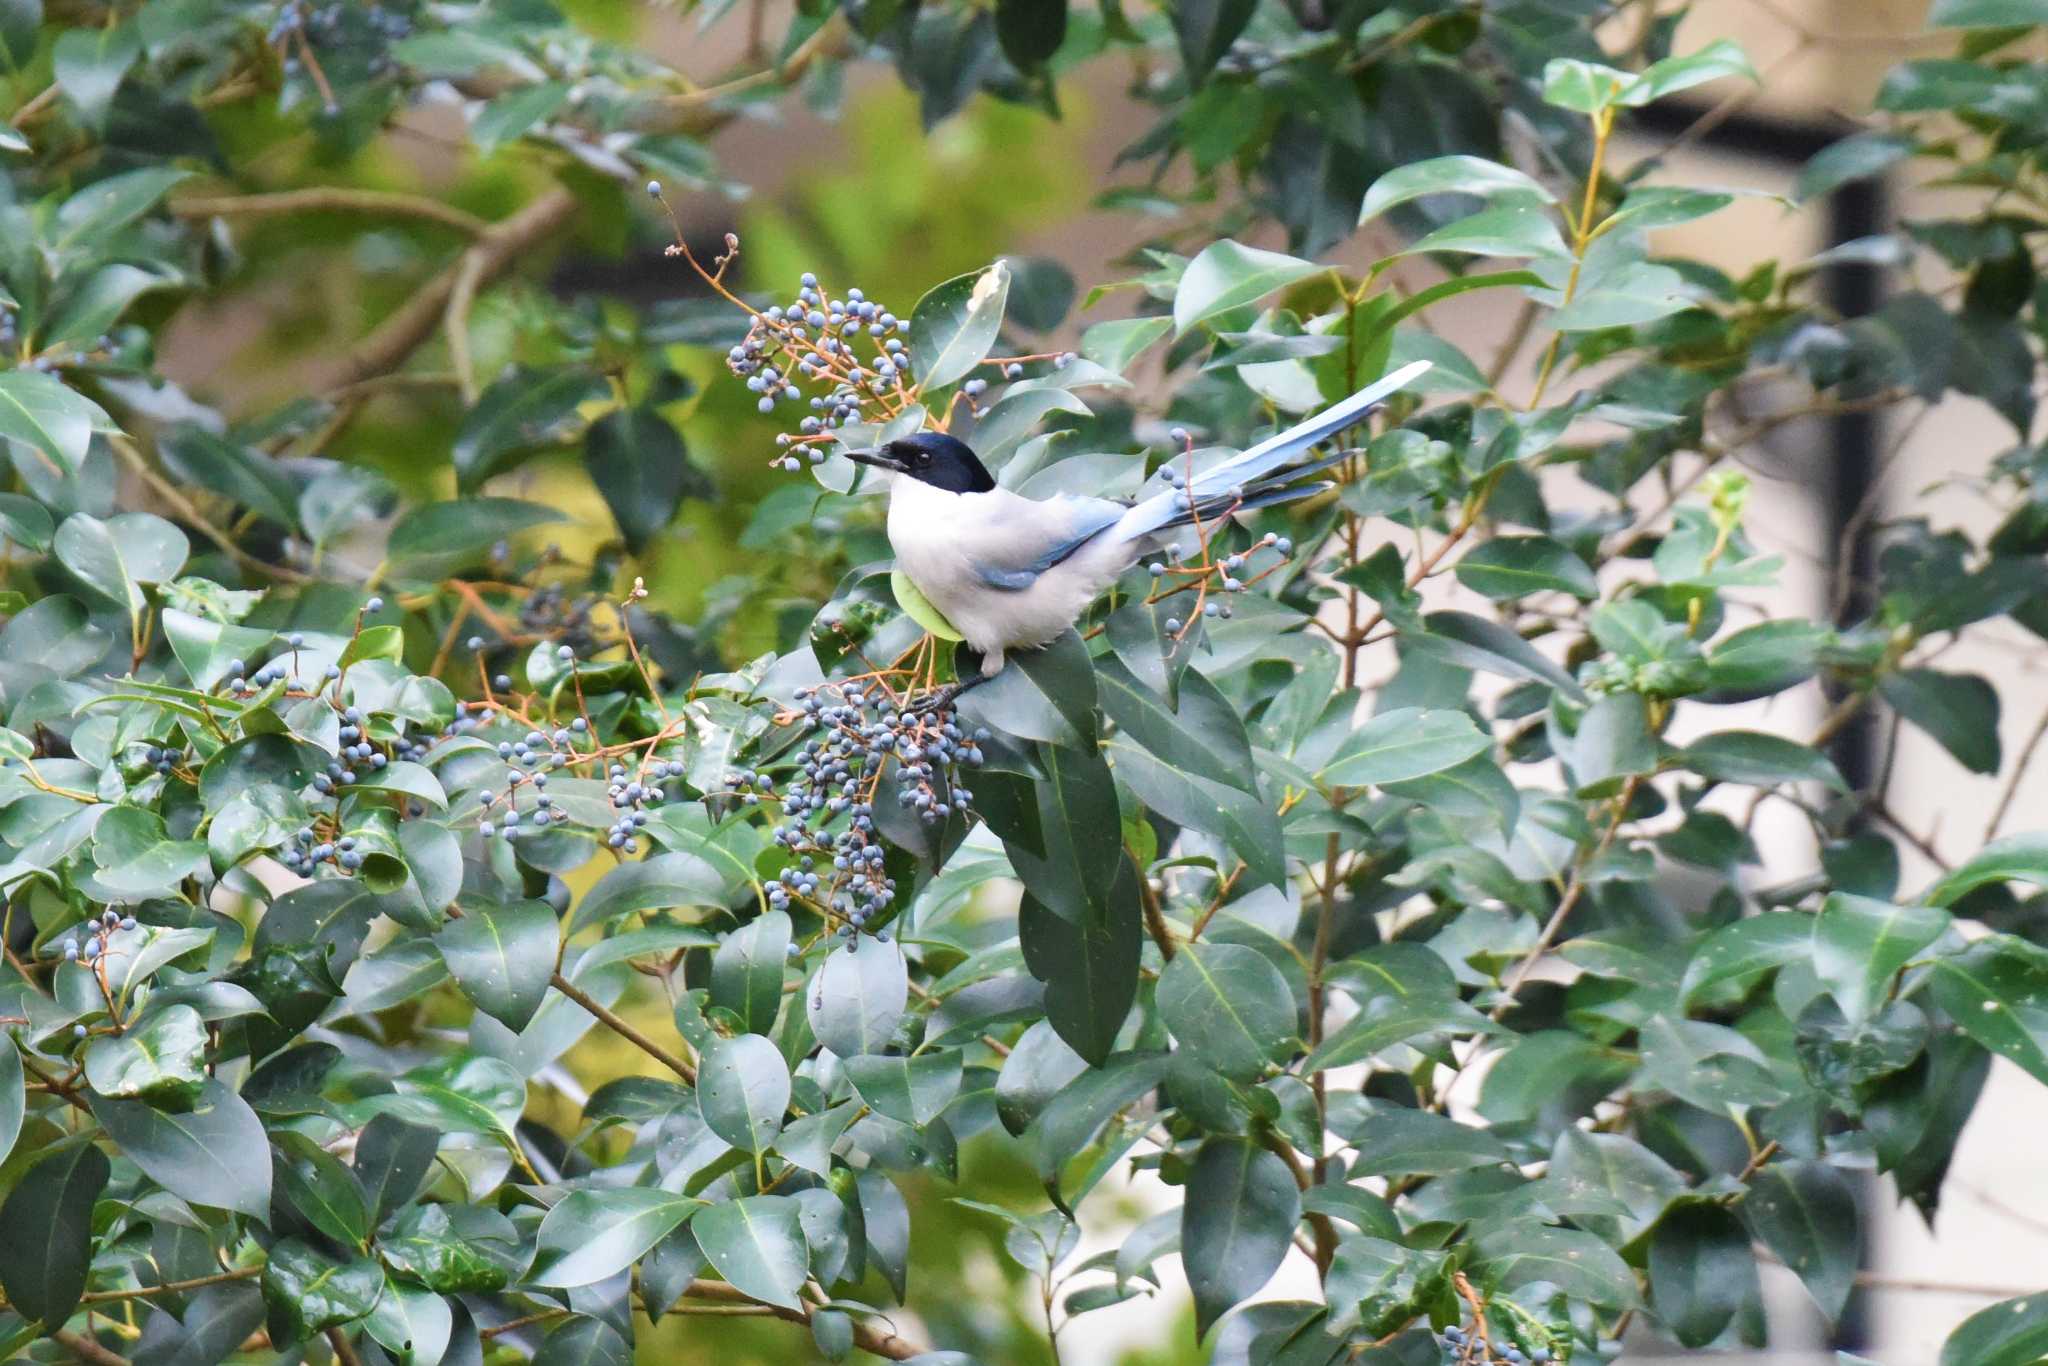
{"x": 435, "y": 933}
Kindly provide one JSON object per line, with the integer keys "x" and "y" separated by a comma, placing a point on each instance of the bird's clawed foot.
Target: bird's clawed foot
{"x": 944, "y": 697}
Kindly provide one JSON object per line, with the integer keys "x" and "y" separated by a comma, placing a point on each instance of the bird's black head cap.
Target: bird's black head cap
{"x": 944, "y": 462}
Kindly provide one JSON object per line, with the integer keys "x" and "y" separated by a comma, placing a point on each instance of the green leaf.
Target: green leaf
{"x": 1114, "y": 345}
{"x": 1030, "y": 31}
{"x": 503, "y": 957}
{"x": 1090, "y": 969}
{"x": 1756, "y": 759}
{"x": 1229, "y": 1007}
{"x": 1985, "y": 14}
{"x": 919, "y": 608}
{"x": 955, "y": 324}
{"x": 1237, "y": 1223}
{"x": 1582, "y": 87}
{"x": 1806, "y": 1213}
{"x": 593, "y": 1234}
{"x": 48, "y": 1215}
{"x": 1407, "y": 742}
{"x": 1713, "y": 62}
{"x": 110, "y": 204}
{"x": 525, "y": 411}
{"x": 1473, "y": 642}
{"x": 1702, "y": 1273}
{"x": 2016, "y": 858}
{"x": 1959, "y": 710}
{"x": 1997, "y": 991}
{"x": 1394, "y": 1142}
{"x": 1228, "y": 275}
{"x": 1615, "y": 1171}
{"x": 742, "y": 1090}
{"x": 857, "y": 996}
{"x": 13, "y": 1098}
{"x": 321, "y": 1189}
{"x": 117, "y": 557}
{"x": 308, "y": 1291}
{"x": 639, "y": 463}
{"x": 161, "y": 1059}
{"x": 509, "y": 116}
{"x": 200, "y": 1155}
{"x": 1709, "y": 1065}
{"x": 1512, "y": 1255}
{"x": 746, "y": 972}
{"x": 89, "y": 64}
{"x": 910, "y": 1090}
{"x": 2011, "y": 1332}
{"x": 1509, "y": 230}
{"x": 1857, "y": 157}
{"x": 1747, "y": 948}
{"x": 1385, "y": 1021}
{"x": 1614, "y": 742}
{"x": 205, "y": 648}
{"x": 91, "y": 306}
{"x": 454, "y": 1249}
{"x": 1205, "y": 30}
{"x": 435, "y": 538}
{"x": 1510, "y": 566}
{"x": 758, "y": 1245}
{"x": 1859, "y": 944}
{"x": 392, "y": 1161}
{"x": 1448, "y": 175}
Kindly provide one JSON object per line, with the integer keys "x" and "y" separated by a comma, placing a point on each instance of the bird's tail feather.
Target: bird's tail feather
{"x": 1256, "y": 471}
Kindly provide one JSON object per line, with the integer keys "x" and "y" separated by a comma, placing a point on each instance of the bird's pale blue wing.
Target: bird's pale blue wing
{"x": 1029, "y": 536}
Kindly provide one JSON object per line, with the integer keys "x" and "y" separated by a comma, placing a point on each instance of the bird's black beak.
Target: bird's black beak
{"x": 879, "y": 458}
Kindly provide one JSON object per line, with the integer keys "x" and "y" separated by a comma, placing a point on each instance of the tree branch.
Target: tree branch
{"x": 624, "y": 1030}
{"x": 399, "y": 335}
{"x": 333, "y": 199}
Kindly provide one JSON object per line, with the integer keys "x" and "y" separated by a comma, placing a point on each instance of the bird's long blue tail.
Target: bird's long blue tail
{"x": 1260, "y": 476}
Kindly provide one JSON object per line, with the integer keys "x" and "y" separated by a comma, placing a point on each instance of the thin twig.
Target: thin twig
{"x": 2012, "y": 782}
{"x": 1575, "y": 888}
{"x": 172, "y": 1287}
{"x": 85, "y": 1349}
{"x": 625, "y": 1030}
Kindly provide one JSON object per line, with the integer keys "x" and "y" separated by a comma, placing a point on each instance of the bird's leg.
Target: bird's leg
{"x": 946, "y": 695}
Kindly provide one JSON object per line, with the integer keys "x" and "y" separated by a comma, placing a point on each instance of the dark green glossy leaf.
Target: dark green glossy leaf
{"x": 307, "y": 1291}
{"x": 48, "y": 1250}
{"x": 746, "y": 972}
{"x": 1509, "y": 566}
{"x": 1229, "y": 1007}
{"x": 857, "y": 996}
{"x": 758, "y": 1245}
{"x": 200, "y": 1155}
{"x": 592, "y": 1234}
{"x": 1227, "y": 275}
{"x": 1806, "y": 1213}
{"x": 955, "y": 324}
{"x": 742, "y": 1090}
{"x": 503, "y": 957}
{"x": 1236, "y": 1225}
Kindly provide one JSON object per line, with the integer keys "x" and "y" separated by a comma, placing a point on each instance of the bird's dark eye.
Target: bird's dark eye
{"x": 924, "y": 457}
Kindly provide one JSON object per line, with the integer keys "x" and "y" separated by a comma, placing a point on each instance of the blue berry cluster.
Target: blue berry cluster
{"x": 852, "y": 352}
{"x": 1465, "y": 1348}
{"x": 1208, "y": 575}
{"x": 90, "y": 944}
{"x": 308, "y": 851}
{"x": 356, "y": 750}
{"x": 828, "y": 810}
{"x": 164, "y": 758}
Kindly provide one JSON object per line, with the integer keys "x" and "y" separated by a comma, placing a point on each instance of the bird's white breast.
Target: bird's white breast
{"x": 943, "y": 540}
